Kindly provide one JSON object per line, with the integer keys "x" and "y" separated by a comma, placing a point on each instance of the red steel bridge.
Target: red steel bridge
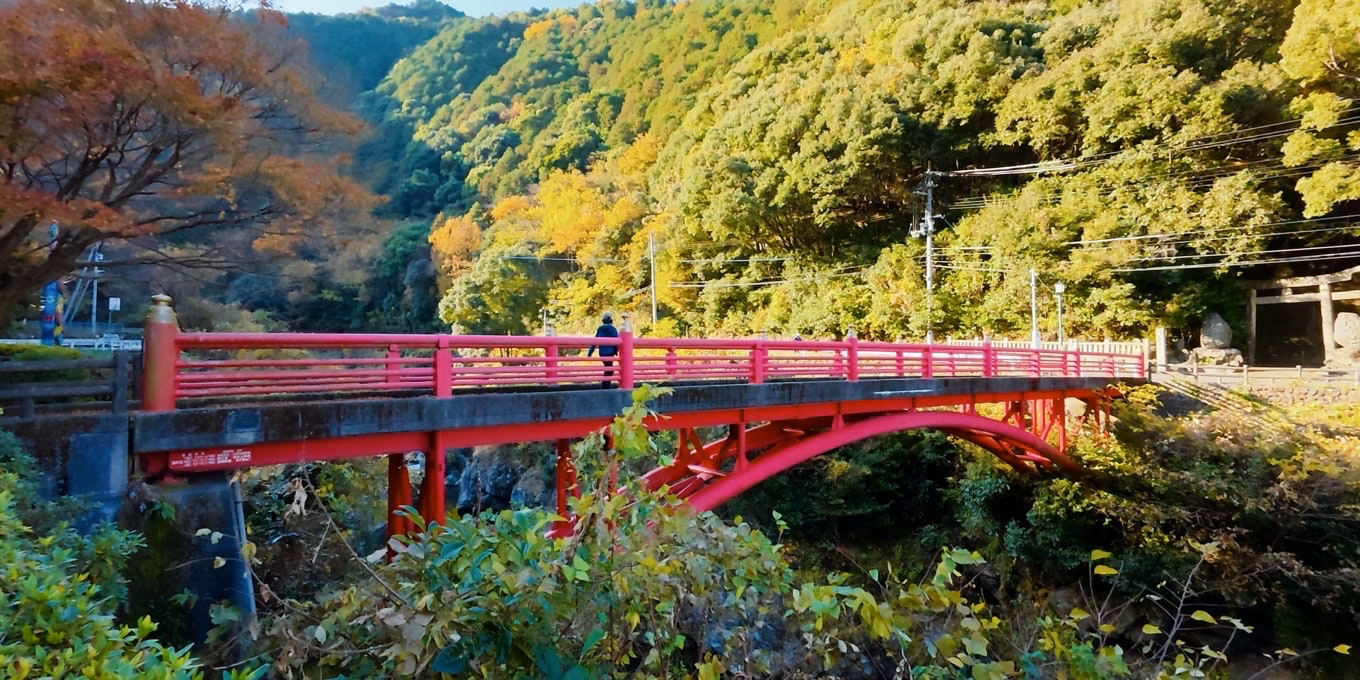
{"x": 221, "y": 401}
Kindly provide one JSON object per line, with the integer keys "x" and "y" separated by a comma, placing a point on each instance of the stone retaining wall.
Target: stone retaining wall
{"x": 1302, "y": 394}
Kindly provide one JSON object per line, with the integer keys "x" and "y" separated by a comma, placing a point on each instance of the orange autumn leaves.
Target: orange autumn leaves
{"x": 137, "y": 120}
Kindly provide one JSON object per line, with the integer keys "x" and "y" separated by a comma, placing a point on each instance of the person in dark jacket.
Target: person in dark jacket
{"x": 606, "y": 330}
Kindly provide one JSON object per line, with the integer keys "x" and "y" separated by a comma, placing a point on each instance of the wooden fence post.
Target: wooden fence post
{"x": 121, "y": 388}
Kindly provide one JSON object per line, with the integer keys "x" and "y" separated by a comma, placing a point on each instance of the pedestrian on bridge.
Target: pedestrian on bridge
{"x": 606, "y": 330}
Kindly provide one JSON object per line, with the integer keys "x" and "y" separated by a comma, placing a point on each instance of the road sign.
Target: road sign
{"x": 115, "y": 304}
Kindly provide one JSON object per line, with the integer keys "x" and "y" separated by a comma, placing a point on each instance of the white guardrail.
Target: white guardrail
{"x": 107, "y": 342}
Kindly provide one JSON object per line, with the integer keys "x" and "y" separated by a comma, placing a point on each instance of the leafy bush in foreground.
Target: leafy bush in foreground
{"x": 59, "y": 592}
{"x": 642, "y": 587}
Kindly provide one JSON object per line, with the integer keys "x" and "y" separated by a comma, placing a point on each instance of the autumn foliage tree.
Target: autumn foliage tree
{"x": 150, "y": 121}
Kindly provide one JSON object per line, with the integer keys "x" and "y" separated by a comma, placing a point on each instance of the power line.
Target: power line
{"x": 556, "y": 259}
{"x": 1191, "y": 240}
{"x": 1187, "y": 145}
{"x": 1243, "y": 263}
{"x": 1251, "y": 252}
{"x": 1223, "y": 229}
{"x": 985, "y": 270}
{"x": 1272, "y": 135}
{"x": 1302, "y": 254}
{"x": 1075, "y": 164}
{"x": 768, "y": 282}
{"x": 1195, "y": 179}
{"x": 737, "y": 259}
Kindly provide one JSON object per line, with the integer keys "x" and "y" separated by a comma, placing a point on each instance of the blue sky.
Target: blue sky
{"x": 472, "y": 7}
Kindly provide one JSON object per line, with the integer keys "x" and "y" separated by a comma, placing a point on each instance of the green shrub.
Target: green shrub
{"x": 1279, "y": 500}
{"x": 59, "y": 591}
{"x": 42, "y": 353}
{"x": 37, "y": 353}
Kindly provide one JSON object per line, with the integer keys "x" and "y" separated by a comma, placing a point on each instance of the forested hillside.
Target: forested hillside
{"x": 1154, "y": 153}
{"x": 752, "y": 166}
{"x": 357, "y": 50}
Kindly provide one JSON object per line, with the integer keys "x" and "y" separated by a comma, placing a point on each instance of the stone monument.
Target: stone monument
{"x": 1346, "y": 332}
{"x": 1215, "y": 340}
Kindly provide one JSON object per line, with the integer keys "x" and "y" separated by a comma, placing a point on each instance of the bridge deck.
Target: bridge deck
{"x": 215, "y": 437}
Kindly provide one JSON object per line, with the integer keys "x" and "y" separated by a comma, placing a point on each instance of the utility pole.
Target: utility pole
{"x": 928, "y": 226}
{"x": 1058, "y": 289}
{"x": 94, "y": 303}
{"x": 1033, "y": 308}
{"x": 651, "y": 257}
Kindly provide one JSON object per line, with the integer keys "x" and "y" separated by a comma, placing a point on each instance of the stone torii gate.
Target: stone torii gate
{"x": 1325, "y": 289}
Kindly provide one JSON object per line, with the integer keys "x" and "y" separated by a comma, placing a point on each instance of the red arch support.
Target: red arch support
{"x": 1012, "y": 444}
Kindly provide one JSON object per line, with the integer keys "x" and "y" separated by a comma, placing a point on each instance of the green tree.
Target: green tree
{"x": 1322, "y": 51}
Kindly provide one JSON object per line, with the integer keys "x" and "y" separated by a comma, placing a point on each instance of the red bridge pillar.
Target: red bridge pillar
{"x": 432, "y": 507}
{"x": 160, "y": 354}
{"x": 566, "y": 485}
{"x": 398, "y": 494}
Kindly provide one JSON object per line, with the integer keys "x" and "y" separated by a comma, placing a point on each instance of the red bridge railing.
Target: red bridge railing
{"x": 205, "y": 365}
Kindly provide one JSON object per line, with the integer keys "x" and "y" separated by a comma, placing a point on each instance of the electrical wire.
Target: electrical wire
{"x": 591, "y": 260}
{"x": 973, "y": 202}
{"x": 1215, "y": 231}
{"x": 839, "y": 272}
{"x": 1195, "y": 179}
{"x": 985, "y": 270}
{"x": 1187, "y": 145}
{"x": 1242, "y": 263}
{"x": 1195, "y": 237}
{"x": 1244, "y": 253}
{"x": 741, "y": 259}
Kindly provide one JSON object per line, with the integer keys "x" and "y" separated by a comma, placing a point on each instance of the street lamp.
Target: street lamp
{"x": 1058, "y": 289}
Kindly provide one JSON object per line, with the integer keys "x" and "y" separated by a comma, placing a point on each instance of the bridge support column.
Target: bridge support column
{"x": 566, "y": 480}
{"x": 1098, "y": 414}
{"x": 432, "y": 487}
{"x": 1060, "y": 416}
{"x": 1040, "y": 418}
{"x": 742, "y": 461}
{"x": 398, "y": 494}
{"x": 183, "y": 550}
{"x": 98, "y": 470}
{"x": 1017, "y": 413}
{"x": 1048, "y": 415}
